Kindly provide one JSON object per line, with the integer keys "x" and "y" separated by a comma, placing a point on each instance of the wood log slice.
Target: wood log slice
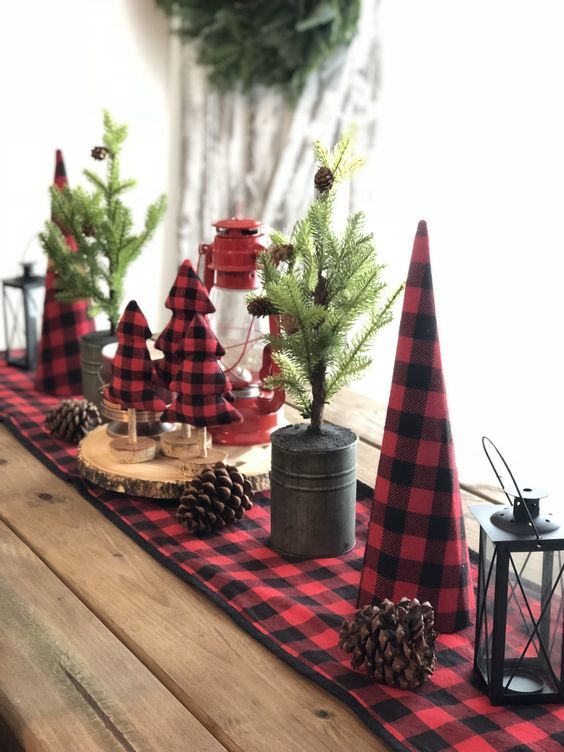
{"x": 174, "y": 444}
{"x": 143, "y": 450}
{"x": 163, "y": 477}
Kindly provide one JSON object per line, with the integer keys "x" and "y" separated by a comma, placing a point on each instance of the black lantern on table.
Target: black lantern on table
{"x": 519, "y": 651}
{"x": 22, "y": 306}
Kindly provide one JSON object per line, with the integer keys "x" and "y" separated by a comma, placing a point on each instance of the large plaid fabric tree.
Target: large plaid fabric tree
{"x": 416, "y": 541}
{"x": 132, "y": 384}
{"x": 202, "y": 389}
{"x": 187, "y": 297}
{"x": 58, "y": 366}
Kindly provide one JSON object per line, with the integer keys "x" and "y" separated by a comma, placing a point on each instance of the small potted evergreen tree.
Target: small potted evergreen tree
{"x": 102, "y": 228}
{"x": 327, "y": 291}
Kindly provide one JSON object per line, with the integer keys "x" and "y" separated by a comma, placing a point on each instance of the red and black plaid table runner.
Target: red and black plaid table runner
{"x": 295, "y": 608}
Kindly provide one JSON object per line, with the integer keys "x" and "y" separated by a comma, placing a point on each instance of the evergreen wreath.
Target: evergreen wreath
{"x": 328, "y": 294}
{"x": 270, "y": 42}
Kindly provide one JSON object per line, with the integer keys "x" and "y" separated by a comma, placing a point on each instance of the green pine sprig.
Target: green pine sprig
{"x": 102, "y": 227}
{"x": 332, "y": 292}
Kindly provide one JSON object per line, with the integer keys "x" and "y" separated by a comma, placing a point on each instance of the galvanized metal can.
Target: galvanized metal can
{"x": 313, "y": 491}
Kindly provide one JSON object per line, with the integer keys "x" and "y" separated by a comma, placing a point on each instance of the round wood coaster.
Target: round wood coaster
{"x": 143, "y": 450}
{"x": 163, "y": 477}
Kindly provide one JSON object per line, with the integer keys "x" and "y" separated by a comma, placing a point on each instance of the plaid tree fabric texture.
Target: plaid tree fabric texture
{"x": 201, "y": 386}
{"x": 58, "y": 365}
{"x": 132, "y": 384}
{"x": 188, "y": 295}
{"x": 295, "y": 608}
{"x": 416, "y": 540}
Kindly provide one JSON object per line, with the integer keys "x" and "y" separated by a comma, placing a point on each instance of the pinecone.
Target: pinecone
{"x": 396, "y": 643}
{"x": 281, "y": 253}
{"x": 323, "y": 179}
{"x": 99, "y": 153}
{"x": 261, "y": 306}
{"x": 219, "y": 496}
{"x": 289, "y": 323}
{"x": 72, "y": 419}
{"x": 88, "y": 230}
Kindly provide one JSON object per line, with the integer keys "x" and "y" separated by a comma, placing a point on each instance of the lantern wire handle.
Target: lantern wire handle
{"x": 498, "y": 476}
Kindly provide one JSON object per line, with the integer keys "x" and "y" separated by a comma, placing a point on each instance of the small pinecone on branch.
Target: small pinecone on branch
{"x": 88, "y": 230}
{"x": 323, "y": 179}
{"x": 395, "y": 643}
{"x": 261, "y": 306}
{"x": 72, "y": 419}
{"x": 289, "y": 323}
{"x": 281, "y": 253}
{"x": 219, "y": 496}
{"x": 99, "y": 152}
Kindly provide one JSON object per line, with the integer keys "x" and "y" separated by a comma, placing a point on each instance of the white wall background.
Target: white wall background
{"x": 471, "y": 138}
{"x": 61, "y": 63}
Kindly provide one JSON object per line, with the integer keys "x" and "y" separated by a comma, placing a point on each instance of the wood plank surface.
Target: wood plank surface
{"x": 66, "y": 683}
{"x": 246, "y": 697}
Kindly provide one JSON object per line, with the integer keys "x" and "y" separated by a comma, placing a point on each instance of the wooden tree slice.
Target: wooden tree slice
{"x": 143, "y": 450}
{"x": 193, "y": 465}
{"x": 162, "y": 477}
{"x": 174, "y": 444}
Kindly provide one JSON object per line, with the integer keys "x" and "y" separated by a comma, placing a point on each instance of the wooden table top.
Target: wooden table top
{"x": 104, "y": 649}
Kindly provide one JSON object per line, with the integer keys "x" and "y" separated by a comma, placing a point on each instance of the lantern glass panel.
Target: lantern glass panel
{"x": 22, "y": 322}
{"x": 240, "y": 334}
{"x": 486, "y": 606}
{"x": 532, "y": 638}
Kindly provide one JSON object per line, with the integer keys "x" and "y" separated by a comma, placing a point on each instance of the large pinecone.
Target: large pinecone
{"x": 72, "y": 419}
{"x": 396, "y": 643}
{"x": 219, "y": 496}
{"x": 323, "y": 179}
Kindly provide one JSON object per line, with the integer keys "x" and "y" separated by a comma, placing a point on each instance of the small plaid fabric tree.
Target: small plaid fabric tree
{"x": 58, "y": 366}
{"x": 201, "y": 386}
{"x": 131, "y": 385}
{"x": 187, "y": 297}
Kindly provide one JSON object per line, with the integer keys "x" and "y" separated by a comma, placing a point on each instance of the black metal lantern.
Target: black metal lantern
{"x": 519, "y": 650}
{"x": 22, "y": 305}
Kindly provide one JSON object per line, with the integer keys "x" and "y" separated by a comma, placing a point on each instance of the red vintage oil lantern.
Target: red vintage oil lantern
{"x": 230, "y": 274}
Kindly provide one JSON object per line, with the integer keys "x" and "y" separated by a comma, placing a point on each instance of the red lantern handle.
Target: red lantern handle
{"x": 277, "y": 396}
{"x": 206, "y": 250}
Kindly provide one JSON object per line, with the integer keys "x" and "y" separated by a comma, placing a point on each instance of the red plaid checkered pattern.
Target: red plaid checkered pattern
{"x": 416, "y": 541}
{"x": 132, "y": 371}
{"x": 200, "y": 384}
{"x": 188, "y": 295}
{"x": 295, "y": 608}
{"x": 58, "y": 365}
{"x": 168, "y": 342}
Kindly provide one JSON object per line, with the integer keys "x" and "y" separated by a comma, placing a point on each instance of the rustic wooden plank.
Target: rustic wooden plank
{"x": 66, "y": 682}
{"x": 236, "y": 688}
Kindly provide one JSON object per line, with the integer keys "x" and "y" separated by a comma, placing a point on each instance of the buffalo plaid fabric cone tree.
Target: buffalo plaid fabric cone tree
{"x": 187, "y": 297}
{"x": 416, "y": 544}
{"x": 132, "y": 384}
{"x": 58, "y": 367}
